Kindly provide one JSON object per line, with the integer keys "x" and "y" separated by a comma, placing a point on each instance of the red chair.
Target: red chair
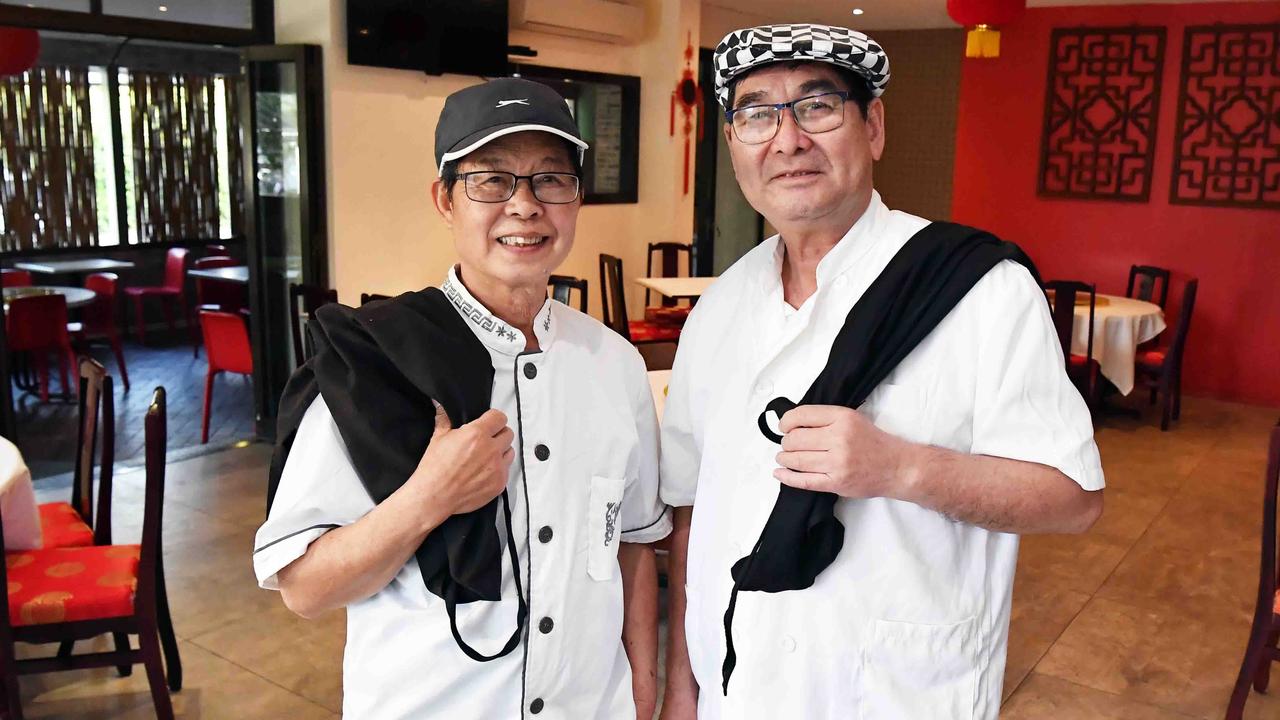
{"x": 37, "y": 324}
{"x": 217, "y": 295}
{"x": 1262, "y": 648}
{"x": 669, "y": 312}
{"x": 173, "y": 290}
{"x": 613, "y": 307}
{"x": 59, "y": 595}
{"x": 227, "y": 341}
{"x": 215, "y": 250}
{"x": 15, "y": 278}
{"x": 98, "y": 319}
{"x": 1085, "y": 372}
{"x": 1161, "y": 369}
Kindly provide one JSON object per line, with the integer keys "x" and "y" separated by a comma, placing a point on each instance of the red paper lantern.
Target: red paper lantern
{"x": 19, "y": 48}
{"x": 982, "y": 17}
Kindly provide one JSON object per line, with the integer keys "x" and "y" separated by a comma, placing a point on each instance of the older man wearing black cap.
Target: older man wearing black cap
{"x": 865, "y": 411}
{"x": 471, "y": 470}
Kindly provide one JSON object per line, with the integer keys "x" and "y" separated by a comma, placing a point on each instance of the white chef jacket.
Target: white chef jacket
{"x": 911, "y": 619}
{"x": 586, "y": 439}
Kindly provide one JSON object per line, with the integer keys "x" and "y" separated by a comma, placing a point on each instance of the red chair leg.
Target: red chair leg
{"x": 208, "y": 399}
{"x": 141, "y": 329}
{"x": 41, "y": 361}
{"x": 119, "y": 353}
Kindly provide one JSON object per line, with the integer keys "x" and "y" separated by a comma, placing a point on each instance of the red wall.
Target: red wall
{"x": 1233, "y": 351}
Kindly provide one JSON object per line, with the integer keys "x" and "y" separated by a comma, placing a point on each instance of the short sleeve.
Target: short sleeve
{"x": 1026, "y": 408}
{"x": 319, "y": 491}
{"x": 681, "y": 435}
{"x": 645, "y": 518}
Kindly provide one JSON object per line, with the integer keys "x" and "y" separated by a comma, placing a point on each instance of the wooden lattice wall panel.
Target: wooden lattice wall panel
{"x": 175, "y": 159}
{"x": 1227, "y": 147}
{"x": 1101, "y": 106}
{"x": 47, "y": 189}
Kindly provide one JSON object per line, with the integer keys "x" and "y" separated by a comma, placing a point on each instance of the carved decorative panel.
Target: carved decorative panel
{"x": 1101, "y": 105}
{"x": 1227, "y": 147}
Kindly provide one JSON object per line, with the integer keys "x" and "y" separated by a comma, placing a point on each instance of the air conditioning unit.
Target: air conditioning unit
{"x": 609, "y": 21}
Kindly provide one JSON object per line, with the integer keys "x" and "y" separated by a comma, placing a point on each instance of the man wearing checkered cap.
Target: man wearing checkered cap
{"x": 852, "y": 555}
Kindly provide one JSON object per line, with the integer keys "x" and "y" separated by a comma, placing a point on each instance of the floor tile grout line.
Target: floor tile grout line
{"x": 220, "y": 656}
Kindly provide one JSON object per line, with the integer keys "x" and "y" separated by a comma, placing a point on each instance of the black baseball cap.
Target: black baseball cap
{"x": 475, "y": 115}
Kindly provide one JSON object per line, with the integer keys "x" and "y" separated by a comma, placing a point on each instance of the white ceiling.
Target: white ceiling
{"x": 877, "y": 15}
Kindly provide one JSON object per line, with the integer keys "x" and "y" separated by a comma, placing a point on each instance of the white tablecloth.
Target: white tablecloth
{"x": 17, "y": 501}
{"x": 1118, "y": 328}
{"x": 658, "y": 380}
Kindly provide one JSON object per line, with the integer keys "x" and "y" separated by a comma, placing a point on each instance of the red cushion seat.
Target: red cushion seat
{"x": 642, "y": 331}
{"x": 1152, "y": 359}
{"x": 667, "y": 315}
{"x": 61, "y": 526}
{"x": 70, "y": 584}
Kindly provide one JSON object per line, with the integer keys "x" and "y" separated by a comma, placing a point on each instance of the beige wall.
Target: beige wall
{"x": 384, "y": 235}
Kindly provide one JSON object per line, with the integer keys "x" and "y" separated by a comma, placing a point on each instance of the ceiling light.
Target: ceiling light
{"x": 164, "y": 8}
{"x": 857, "y": 11}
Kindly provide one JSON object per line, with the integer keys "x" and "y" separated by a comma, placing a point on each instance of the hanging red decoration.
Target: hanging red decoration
{"x": 689, "y": 97}
{"x": 983, "y": 18}
{"x": 18, "y": 49}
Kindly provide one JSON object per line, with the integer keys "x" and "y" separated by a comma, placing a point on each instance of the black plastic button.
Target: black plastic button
{"x": 535, "y": 707}
{"x": 544, "y": 534}
{"x": 530, "y": 371}
{"x": 546, "y": 625}
{"x": 541, "y": 452}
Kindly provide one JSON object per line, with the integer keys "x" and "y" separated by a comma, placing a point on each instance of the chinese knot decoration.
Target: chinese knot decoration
{"x": 983, "y": 17}
{"x": 689, "y": 97}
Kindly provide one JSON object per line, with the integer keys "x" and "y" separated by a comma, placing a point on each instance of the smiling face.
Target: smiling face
{"x": 519, "y": 242}
{"x": 799, "y": 179}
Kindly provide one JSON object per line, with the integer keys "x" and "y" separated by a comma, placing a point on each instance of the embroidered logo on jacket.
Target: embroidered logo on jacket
{"x": 611, "y": 511}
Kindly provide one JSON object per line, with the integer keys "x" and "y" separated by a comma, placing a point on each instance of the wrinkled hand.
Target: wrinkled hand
{"x": 466, "y": 467}
{"x": 836, "y": 449}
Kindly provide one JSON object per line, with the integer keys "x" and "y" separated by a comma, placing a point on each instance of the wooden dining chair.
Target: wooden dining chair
{"x": 1143, "y": 281}
{"x": 37, "y": 325}
{"x": 669, "y": 311}
{"x": 1084, "y": 370}
{"x": 10, "y": 277}
{"x": 1160, "y": 369}
{"x": 98, "y": 320}
{"x": 366, "y": 298}
{"x": 172, "y": 292}
{"x": 1261, "y": 649}
{"x": 66, "y": 594}
{"x": 305, "y": 300}
{"x": 613, "y": 308}
{"x": 78, "y": 523}
{"x": 562, "y": 287}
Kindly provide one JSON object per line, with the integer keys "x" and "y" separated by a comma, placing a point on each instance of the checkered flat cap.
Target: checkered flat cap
{"x": 742, "y": 50}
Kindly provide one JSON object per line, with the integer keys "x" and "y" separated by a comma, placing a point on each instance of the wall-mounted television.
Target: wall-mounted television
{"x": 468, "y": 37}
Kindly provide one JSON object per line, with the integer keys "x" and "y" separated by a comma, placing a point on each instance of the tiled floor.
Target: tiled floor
{"x": 1144, "y": 618}
{"x": 47, "y": 431}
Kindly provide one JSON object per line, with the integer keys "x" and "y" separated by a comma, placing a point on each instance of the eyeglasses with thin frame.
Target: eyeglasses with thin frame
{"x": 755, "y": 124}
{"x": 495, "y": 186}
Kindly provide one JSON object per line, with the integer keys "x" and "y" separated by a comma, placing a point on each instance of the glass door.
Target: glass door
{"x": 282, "y": 116}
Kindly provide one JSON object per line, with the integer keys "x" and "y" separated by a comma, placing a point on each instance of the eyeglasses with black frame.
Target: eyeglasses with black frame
{"x": 495, "y": 186}
{"x": 755, "y": 124}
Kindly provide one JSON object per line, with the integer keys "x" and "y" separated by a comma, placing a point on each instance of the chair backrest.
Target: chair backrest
{"x": 37, "y": 322}
{"x": 15, "y": 278}
{"x": 214, "y": 250}
{"x": 175, "y": 268}
{"x": 97, "y": 418}
{"x": 1270, "y": 570}
{"x": 613, "y": 301}
{"x": 1179, "y": 344}
{"x": 669, "y": 254}
{"x": 562, "y": 287}
{"x": 1142, "y": 282}
{"x": 311, "y": 297}
{"x": 99, "y": 316}
{"x": 227, "y": 295}
{"x": 227, "y": 341}
{"x": 366, "y": 298}
{"x": 156, "y": 442}
{"x": 1064, "y": 313}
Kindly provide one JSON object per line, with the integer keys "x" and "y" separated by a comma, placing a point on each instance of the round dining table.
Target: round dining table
{"x": 76, "y": 297}
{"x": 1120, "y": 325}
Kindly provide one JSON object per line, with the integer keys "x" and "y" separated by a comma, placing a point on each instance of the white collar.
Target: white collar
{"x": 853, "y": 246}
{"x": 494, "y": 332}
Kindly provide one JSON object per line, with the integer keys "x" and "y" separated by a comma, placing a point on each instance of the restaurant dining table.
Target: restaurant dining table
{"x": 75, "y": 268}
{"x": 233, "y": 273}
{"x": 76, "y": 297}
{"x": 677, "y": 288}
{"x": 17, "y": 501}
{"x": 1120, "y": 325}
